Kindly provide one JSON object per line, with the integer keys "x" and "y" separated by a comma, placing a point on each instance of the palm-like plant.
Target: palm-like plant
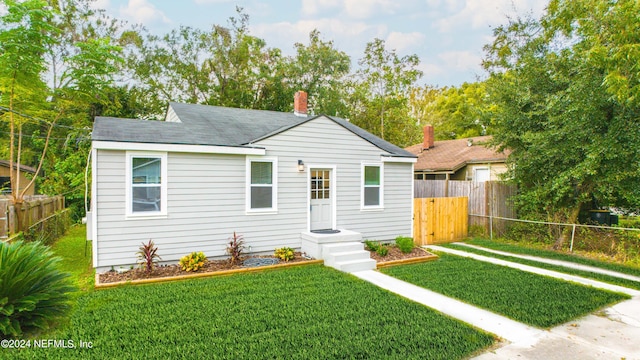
{"x": 33, "y": 290}
{"x": 148, "y": 256}
{"x": 235, "y": 248}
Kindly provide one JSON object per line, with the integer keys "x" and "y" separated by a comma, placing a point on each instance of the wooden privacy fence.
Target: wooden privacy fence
{"x": 438, "y": 220}
{"x": 17, "y": 218}
{"x": 490, "y": 198}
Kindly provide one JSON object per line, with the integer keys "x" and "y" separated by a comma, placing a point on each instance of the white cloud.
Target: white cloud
{"x": 355, "y": 9}
{"x": 100, "y": 4}
{"x": 347, "y": 36}
{"x": 402, "y": 42}
{"x": 430, "y": 70}
{"x": 202, "y": 2}
{"x": 461, "y": 60}
{"x": 141, "y": 11}
{"x": 479, "y": 13}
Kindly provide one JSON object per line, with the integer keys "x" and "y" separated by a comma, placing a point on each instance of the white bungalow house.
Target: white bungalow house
{"x": 279, "y": 179}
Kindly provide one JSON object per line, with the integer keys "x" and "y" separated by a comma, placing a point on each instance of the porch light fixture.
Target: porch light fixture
{"x": 300, "y": 166}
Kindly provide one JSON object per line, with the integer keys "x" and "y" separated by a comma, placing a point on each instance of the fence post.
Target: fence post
{"x": 573, "y": 234}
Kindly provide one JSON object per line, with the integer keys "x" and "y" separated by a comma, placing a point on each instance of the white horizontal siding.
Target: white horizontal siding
{"x": 206, "y": 198}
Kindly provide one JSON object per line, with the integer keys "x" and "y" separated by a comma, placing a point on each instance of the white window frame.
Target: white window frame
{"x": 380, "y": 206}
{"x": 274, "y": 185}
{"x": 130, "y": 214}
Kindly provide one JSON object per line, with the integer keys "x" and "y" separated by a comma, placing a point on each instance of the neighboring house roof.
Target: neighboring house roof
{"x": 23, "y": 168}
{"x": 451, "y": 155}
{"x": 220, "y": 126}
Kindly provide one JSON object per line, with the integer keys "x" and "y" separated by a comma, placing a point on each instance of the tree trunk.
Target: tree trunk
{"x": 566, "y": 233}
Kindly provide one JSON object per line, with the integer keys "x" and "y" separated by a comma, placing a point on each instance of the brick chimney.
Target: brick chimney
{"x": 300, "y": 103}
{"x": 428, "y": 137}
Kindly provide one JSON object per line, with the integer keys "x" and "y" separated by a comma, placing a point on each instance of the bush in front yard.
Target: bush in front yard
{"x": 33, "y": 291}
{"x": 405, "y": 244}
{"x": 193, "y": 261}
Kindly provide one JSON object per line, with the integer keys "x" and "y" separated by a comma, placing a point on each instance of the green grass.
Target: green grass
{"x": 587, "y": 274}
{"x": 307, "y": 312}
{"x": 532, "y": 299}
{"x": 550, "y": 254}
{"x": 71, "y": 248}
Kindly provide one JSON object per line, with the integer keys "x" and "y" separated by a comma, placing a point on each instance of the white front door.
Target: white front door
{"x": 321, "y": 203}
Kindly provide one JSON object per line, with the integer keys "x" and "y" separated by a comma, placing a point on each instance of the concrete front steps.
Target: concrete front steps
{"x": 343, "y": 250}
{"x": 348, "y": 257}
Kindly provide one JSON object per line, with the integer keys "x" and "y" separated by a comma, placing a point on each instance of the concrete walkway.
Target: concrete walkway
{"x": 540, "y": 271}
{"x": 505, "y": 328}
{"x": 609, "y": 334}
{"x": 566, "y": 264}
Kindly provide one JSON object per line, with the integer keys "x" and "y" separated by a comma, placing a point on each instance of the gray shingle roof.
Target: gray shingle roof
{"x": 215, "y": 125}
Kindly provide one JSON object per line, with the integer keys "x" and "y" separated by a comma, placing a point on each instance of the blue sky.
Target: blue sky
{"x": 447, "y": 35}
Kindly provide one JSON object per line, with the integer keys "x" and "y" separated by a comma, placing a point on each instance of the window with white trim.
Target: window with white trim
{"x": 372, "y": 186}
{"x": 146, "y": 193}
{"x": 262, "y": 182}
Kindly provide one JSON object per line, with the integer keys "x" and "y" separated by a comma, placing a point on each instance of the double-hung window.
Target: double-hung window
{"x": 372, "y": 186}
{"x": 262, "y": 182}
{"x": 146, "y": 193}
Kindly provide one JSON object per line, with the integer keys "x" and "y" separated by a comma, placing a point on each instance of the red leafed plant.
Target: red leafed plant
{"x": 148, "y": 256}
{"x": 235, "y": 248}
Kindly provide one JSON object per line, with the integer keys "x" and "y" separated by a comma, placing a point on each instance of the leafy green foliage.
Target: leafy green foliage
{"x": 379, "y": 96}
{"x": 148, "y": 256}
{"x": 269, "y": 314}
{"x": 34, "y": 292}
{"x": 529, "y": 298}
{"x": 193, "y": 261}
{"x": 285, "y": 253}
{"x": 382, "y": 250}
{"x": 565, "y": 98}
{"x": 586, "y": 274}
{"x": 405, "y": 244}
{"x": 371, "y": 245}
{"x": 235, "y": 249}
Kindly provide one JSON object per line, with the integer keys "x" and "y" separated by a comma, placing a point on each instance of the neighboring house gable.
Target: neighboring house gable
{"x": 26, "y": 173}
{"x": 460, "y": 159}
{"x": 189, "y": 182}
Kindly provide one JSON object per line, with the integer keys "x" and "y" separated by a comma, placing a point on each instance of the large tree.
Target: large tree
{"x": 321, "y": 70}
{"x": 54, "y": 64}
{"x": 379, "y": 94}
{"x": 567, "y": 95}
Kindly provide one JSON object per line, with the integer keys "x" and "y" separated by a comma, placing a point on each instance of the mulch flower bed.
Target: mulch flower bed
{"x": 212, "y": 266}
{"x": 396, "y": 254}
{"x": 174, "y": 270}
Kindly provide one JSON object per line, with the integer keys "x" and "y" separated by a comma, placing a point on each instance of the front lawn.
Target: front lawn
{"x": 532, "y": 299}
{"x": 296, "y": 313}
{"x": 567, "y": 270}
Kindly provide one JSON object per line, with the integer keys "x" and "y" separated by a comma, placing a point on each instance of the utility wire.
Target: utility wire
{"x": 42, "y": 120}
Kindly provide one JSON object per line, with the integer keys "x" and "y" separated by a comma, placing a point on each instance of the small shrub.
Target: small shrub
{"x": 33, "y": 291}
{"x": 235, "y": 248}
{"x": 371, "y": 245}
{"x": 193, "y": 262}
{"x": 148, "y": 256}
{"x": 285, "y": 253}
{"x": 476, "y": 230}
{"x": 382, "y": 250}
{"x": 405, "y": 244}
